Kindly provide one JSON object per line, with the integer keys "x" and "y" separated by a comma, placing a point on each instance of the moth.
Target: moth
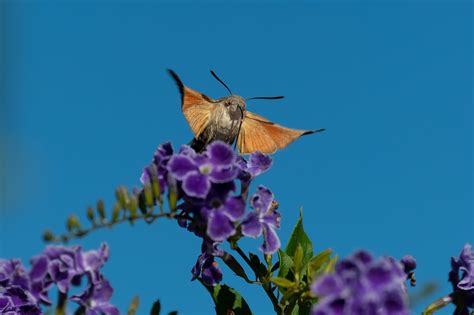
{"x": 228, "y": 120}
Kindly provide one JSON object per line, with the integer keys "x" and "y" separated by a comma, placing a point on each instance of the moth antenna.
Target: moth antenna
{"x": 265, "y": 98}
{"x": 222, "y": 82}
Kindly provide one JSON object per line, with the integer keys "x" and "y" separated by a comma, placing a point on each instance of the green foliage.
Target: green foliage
{"x": 227, "y": 300}
{"x": 235, "y": 266}
{"x": 297, "y": 270}
{"x": 299, "y": 237}
{"x": 156, "y": 309}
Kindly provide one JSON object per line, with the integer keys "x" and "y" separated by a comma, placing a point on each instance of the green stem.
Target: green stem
{"x": 265, "y": 283}
{"x": 61, "y": 306}
{"x": 437, "y": 305}
{"x": 148, "y": 218}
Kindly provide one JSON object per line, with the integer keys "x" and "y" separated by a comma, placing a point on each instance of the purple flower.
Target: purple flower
{"x": 158, "y": 166}
{"x": 96, "y": 299}
{"x": 257, "y": 164}
{"x": 93, "y": 260}
{"x": 265, "y": 219}
{"x": 220, "y": 220}
{"x": 16, "y": 300}
{"x": 462, "y": 279}
{"x": 12, "y": 273}
{"x": 197, "y": 172}
{"x": 409, "y": 264}
{"x": 206, "y": 267}
{"x": 64, "y": 264}
{"x": 22, "y": 291}
{"x": 362, "y": 285}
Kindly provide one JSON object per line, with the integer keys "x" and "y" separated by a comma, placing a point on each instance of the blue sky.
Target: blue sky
{"x": 88, "y": 100}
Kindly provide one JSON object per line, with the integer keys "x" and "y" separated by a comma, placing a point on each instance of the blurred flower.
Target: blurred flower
{"x": 362, "y": 285}
{"x": 17, "y": 300}
{"x": 22, "y": 291}
{"x": 409, "y": 264}
{"x": 96, "y": 299}
{"x": 462, "y": 279}
{"x": 12, "y": 273}
{"x": 63, "y": 265}
{"x": 265, "y": 219}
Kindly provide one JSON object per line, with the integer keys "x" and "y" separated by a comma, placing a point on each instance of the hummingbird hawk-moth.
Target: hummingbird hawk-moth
{"x": 228, "y": 120}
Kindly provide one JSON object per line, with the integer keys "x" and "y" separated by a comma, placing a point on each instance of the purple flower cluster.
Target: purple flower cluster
{"x": 364, "y": 285}
{"x": 210, "y": 206}
{"x": 462, "y": 279}
{"x": 22, "y": 291}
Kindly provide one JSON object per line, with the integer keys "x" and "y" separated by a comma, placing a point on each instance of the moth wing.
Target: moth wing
{"x": 196, "y": 107}
{"x": 259, "y": 134}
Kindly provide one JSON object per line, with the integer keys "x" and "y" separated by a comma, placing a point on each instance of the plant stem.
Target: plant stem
{"x": 148, "y": 218}
{"x": 265, "y": 283}
{"x": 437, "y": 305}
{"x": 61, "y": 306}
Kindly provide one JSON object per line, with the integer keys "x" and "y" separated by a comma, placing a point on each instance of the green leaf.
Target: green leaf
{"x": 256, "y": 264}
{"x": 317, "y": 262}
{"x": 132, "y": 308}
{"x": 298, "y": 259}
{"x": 299, "y": 237}
{"x": 304, "y": 308}
{"x": 235, "y": 266}
{"x": 286, "y": 263}
{"x": 296, "y": 310}
{"x": 227, "y": 299}
{"x": 331, "y": 264}
{"x": 282, "y": 282}
{"x": 156, "y": 308}
{"x": 275, "y": 266}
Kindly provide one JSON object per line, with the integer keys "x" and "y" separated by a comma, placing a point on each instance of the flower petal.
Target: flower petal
{"x": 262, "y": 199}
{"x": 409, "y": 263}
{"x": 271, "y": 242}
{"x": 328, "y": 284}
{"x": 252, "y": 226}
{"x": 220, "y": 175}
{"x": 179, "y": 166}
{"x": 196, "y": 185}
{"x": 258, "y": 163}
{"x": 380, "y": 274}
{"x": 234, "y": 208}
{"x": 220, "y": 153}
{"x": 219, "y": 227}
{"x": 39, "y": 267}
{"x": 211, "y": 273}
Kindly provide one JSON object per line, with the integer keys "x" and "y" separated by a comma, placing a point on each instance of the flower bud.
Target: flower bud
{"x": 122, "y": 196}
{"x": 90, "y": 214}
{"x": 101, "y": 209}
{"x": 48, "y": 236}
{"x": 72, "y": 223}
{"x": 133, "y": 207}
{"x": 115, "y": 213}
{"x": 148, "y": 196}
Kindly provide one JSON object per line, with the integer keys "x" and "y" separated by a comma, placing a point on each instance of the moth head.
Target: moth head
{"x": 234, "y": 102}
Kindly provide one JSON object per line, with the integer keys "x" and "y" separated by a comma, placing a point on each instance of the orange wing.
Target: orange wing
{"x": 259, "y": 134}
{"x": 196, "y": 107}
